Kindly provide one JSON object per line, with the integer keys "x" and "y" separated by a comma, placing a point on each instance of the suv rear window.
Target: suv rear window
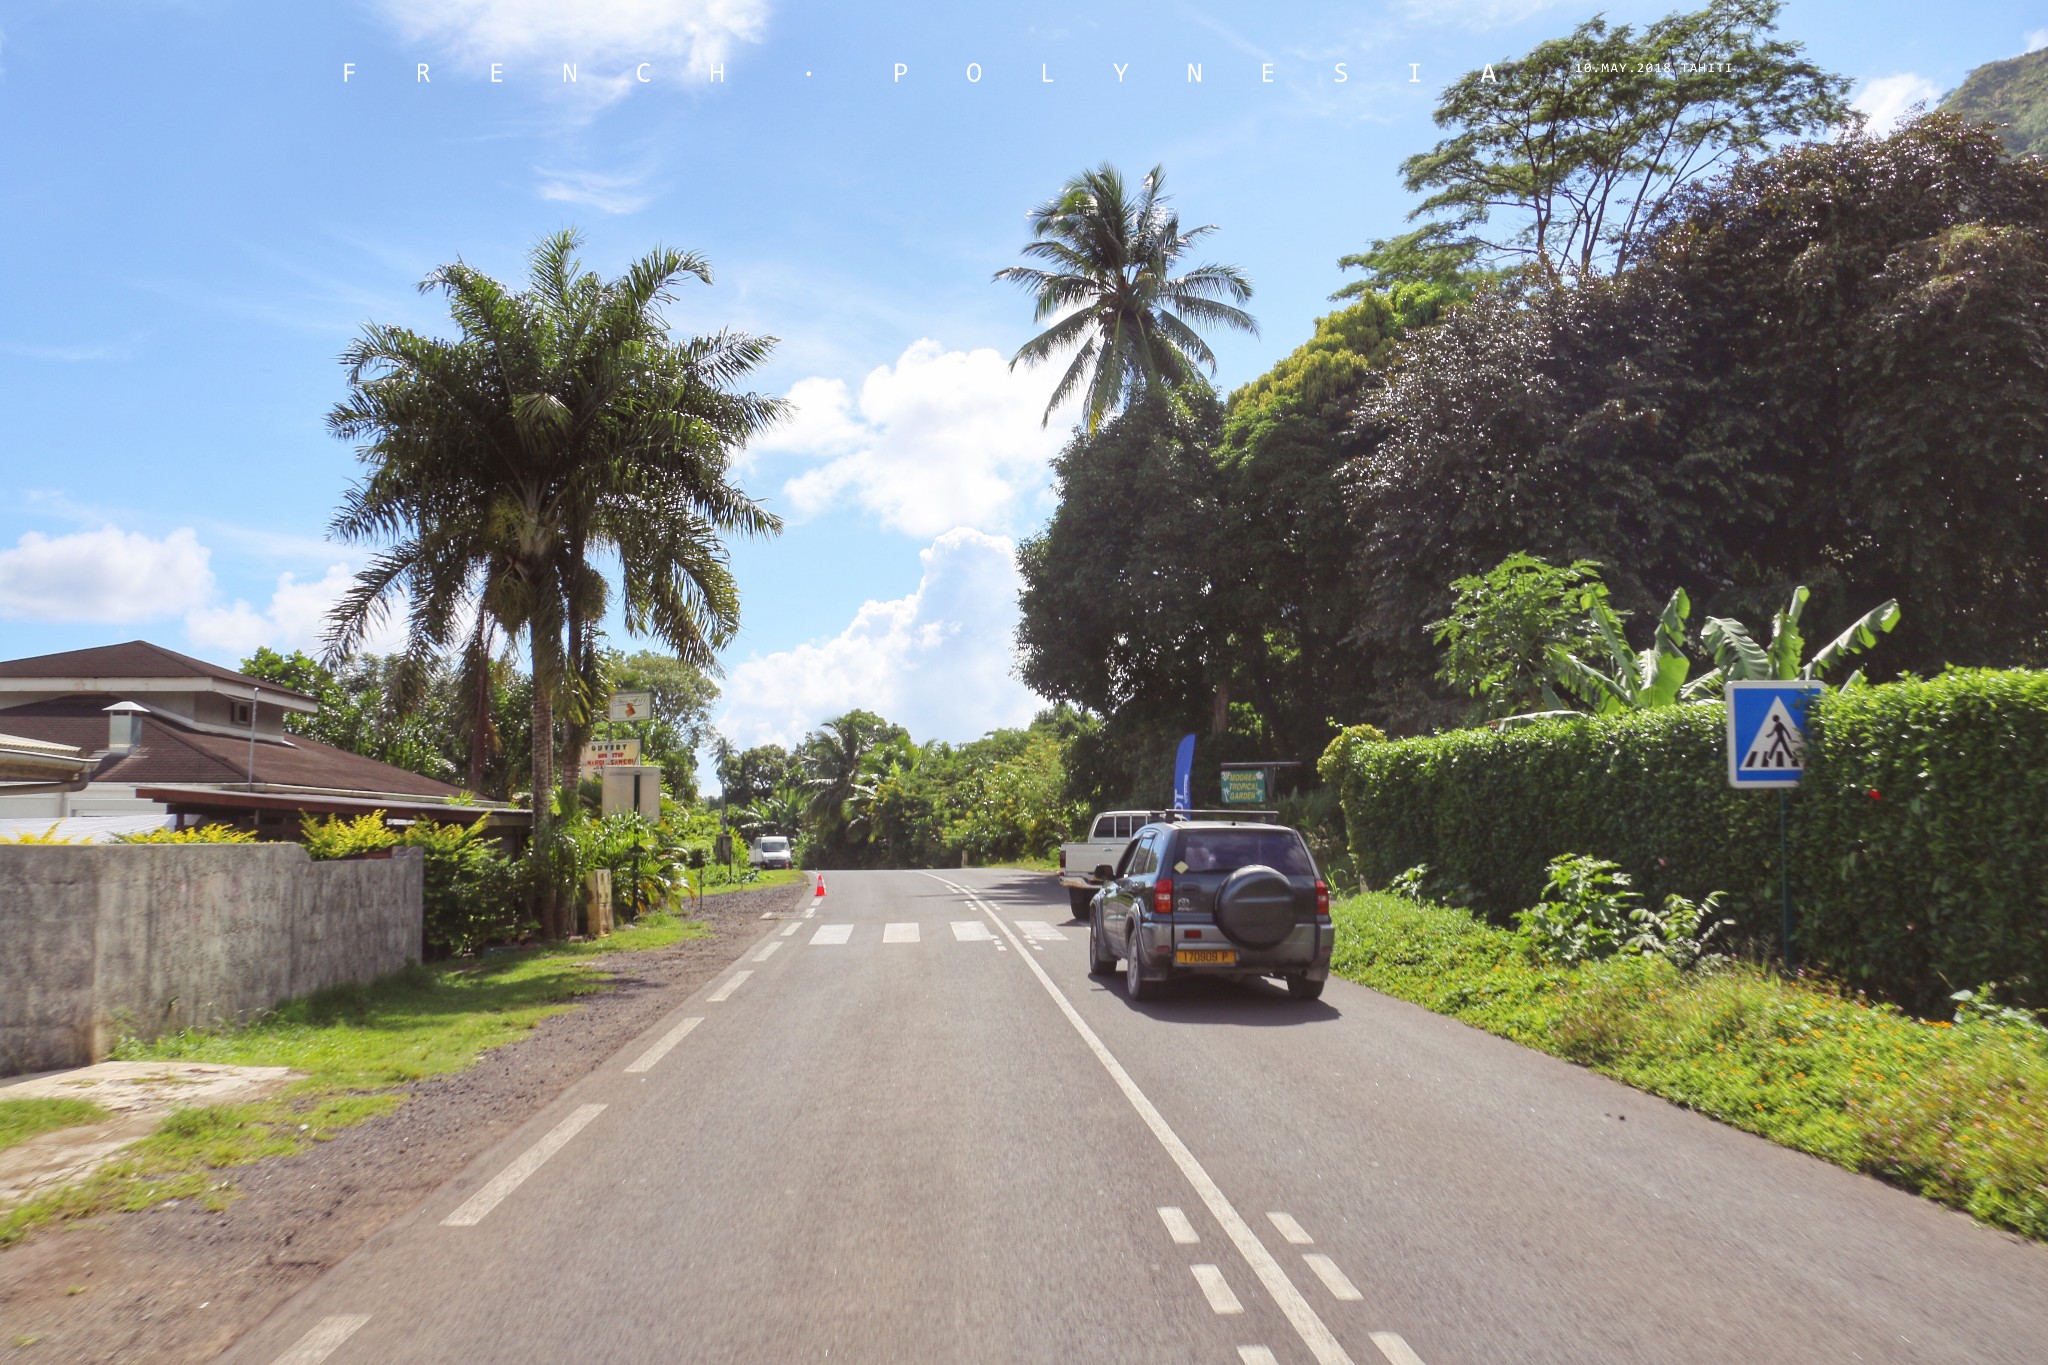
{"x": 1226, "y": 850}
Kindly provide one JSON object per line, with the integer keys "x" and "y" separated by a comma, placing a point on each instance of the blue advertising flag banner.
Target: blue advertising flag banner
{"x": 1767, "y": 732}
{"x": 1184, "y": 774}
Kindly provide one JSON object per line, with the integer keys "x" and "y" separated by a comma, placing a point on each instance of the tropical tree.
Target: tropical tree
{"x": 1505, "y": 623}
{"x": 1109, "y": 283}
{"x": 562, "y": 428}
{"x": 835, "y": 762}
{"x": 1584, "y": 142}
{"x": 1739, "y": 658}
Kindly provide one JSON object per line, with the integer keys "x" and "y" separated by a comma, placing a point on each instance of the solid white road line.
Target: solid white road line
{"x": 832, "y": 933}
{"x": 1333, "y": 1279}
{"x": 1216, "y": 1289}
{"x": 320, "y": 1343}
{"x": 504, "y": 1182}
{"x": 899, "y": 933}
{"x": 1397, "y": 1351}
{"x": 1284, "y": 1224}
{"x": 1307, "y": 1325}
{"x": 1257, "y": 1355}
{"x": 768, "y": 950}
{"x": 1178, "y": 1227}
{"x": 971, "y": 931}
{"x": 646, "y": 1060}
{"x": 732, "y": 983}
{"x": 791, "y": 929}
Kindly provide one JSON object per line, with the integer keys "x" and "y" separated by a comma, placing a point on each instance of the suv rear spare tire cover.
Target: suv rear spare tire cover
{"x": 1255, "y": 907}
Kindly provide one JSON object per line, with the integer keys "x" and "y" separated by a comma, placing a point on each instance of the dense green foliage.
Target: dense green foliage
{"x": 1957, "y": 1112}
{"x": 1830, "y": 368}
{"x": 1936, "y": 883}
{"x": 2012, "y": 95}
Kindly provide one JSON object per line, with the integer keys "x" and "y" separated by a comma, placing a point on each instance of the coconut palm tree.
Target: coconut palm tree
{"x": 1110, "y": 283}
{"x": 562, "y": 427}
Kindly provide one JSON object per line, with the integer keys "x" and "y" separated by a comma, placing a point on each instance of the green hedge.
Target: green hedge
{"x": 1937, "y": 883}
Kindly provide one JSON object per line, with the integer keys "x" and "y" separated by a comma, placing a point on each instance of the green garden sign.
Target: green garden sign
{"x": 1244, "y": 787}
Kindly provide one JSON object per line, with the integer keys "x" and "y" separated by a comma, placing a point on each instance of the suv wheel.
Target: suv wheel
{"x": 1136, "y": 987}
{"x": 1098, "y": 964}
{"x": 1303, "y": 987}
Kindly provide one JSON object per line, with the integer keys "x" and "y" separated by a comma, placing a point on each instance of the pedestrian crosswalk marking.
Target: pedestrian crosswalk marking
{"x": 971, "y": 931}
{"x": 1040, "y": 931}
{"x": 899, "y": 933}
{"x": 832, "y": 933}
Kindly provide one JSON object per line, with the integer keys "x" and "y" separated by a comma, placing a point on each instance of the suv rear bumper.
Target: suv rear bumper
{"x": 1304, "y": 952}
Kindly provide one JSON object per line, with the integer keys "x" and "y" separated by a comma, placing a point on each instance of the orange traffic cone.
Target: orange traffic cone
{"x": 821, "y": 888}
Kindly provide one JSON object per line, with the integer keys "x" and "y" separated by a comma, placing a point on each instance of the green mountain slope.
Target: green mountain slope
{"x": 2012, "y": 94}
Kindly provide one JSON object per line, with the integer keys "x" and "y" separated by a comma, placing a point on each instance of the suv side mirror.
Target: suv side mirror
{"x": 1104, "y": 872}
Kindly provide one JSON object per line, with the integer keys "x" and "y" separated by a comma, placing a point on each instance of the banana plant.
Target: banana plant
{"x": 1739, "y": 658}
{"x": 1628, "y": 680}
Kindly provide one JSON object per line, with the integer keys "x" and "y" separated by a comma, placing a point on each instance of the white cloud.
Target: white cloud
{"x": 2036, "y": 40}
{"x": 295, "y": 619}
{"x": 941, "y": 439}
{"x": 701, "y": 32}
{"x": 104, "y": 576}
{"x": 605, "y": 193}
{"x": 1886, "y": 100}
{"x": 938, "y": 662}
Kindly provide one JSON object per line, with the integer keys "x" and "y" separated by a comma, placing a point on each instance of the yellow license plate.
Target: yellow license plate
{"x": 1194, "y": 955}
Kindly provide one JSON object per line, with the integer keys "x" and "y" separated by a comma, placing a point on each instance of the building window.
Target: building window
{"x": 241, "y": 712}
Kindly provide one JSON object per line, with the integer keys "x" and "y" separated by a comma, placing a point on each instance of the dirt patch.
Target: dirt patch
{"x": 177, "y": 1283}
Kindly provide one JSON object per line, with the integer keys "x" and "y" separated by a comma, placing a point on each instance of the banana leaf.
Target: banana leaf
{"x": 1861, "y": 635}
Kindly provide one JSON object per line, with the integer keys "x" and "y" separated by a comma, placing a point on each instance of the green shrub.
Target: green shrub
{"x": 198, "y": 834}
{"x": 474, "y": 894}
{"x": 1919, "y": 851}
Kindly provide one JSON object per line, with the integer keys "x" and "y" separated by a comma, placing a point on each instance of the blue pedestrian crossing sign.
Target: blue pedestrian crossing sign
{"x": 1767, "y": 732}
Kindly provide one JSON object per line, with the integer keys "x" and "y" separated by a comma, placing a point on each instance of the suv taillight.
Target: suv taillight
{"x": 1323, "y": 899}
{"x": 1162, "y": 896}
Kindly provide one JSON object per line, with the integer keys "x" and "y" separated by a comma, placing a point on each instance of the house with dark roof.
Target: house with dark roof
{"x": 175, "y": 739}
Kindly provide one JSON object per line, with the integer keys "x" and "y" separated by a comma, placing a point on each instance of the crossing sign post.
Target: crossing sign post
{"x": 1767, "y": 749}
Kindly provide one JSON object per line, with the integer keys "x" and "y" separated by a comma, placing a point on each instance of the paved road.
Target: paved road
{"x": 911, "y": 1128}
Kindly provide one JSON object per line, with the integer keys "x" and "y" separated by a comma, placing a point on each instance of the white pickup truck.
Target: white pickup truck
{"x": 1104, "y": 845}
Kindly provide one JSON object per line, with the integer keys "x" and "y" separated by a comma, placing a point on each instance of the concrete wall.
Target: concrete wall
{"x": 106, "y": 940}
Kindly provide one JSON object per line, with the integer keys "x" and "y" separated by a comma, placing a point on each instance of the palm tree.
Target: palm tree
{"x": 1112, "y": 288}
{"x": 562, "y": 427}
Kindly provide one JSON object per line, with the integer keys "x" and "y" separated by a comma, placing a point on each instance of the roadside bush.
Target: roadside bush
{"x": 474, "y": 894}
{"x": 1919, "y": 847}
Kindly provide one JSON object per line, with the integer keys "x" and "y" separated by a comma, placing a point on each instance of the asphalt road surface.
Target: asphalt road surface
{"x": 910, "y": 1127}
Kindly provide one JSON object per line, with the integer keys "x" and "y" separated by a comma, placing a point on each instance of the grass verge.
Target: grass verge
{"x": 352, "y": 1045}
{"x": 1958, "y": 1113}
{"x": 765, "y": 879}
{"x": 22, "y": 1119}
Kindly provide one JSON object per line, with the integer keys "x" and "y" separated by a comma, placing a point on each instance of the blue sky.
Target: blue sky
{"x": 199, "y": 212}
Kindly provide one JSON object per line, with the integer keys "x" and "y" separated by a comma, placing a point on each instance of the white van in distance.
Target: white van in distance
{"x": 770, "y": 850}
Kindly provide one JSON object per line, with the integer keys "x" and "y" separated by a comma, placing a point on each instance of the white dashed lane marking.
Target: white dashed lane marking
{"x": 768, "y": 950}
{"x": 1216, "y": 1289}
{"x": 832, "y": 933}
{"x": 899, "y": 933}
{"x": 646, "y": 1060}
{"x": 732, "y": 983}
{"x": 791, "y": 929}
{"x": 971, "y": 931}
{"x": 1178, "y": 1227}
{"x": 512, "y": 1177}
{"x": 1332, "y": 1278}
{"x": 320, "y": 1343}
{"x": 1397, "y": 1351}
{"x": 1284, "y": 1224}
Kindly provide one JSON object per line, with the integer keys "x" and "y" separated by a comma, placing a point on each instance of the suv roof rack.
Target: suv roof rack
{"x": 1253, "y": 817}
